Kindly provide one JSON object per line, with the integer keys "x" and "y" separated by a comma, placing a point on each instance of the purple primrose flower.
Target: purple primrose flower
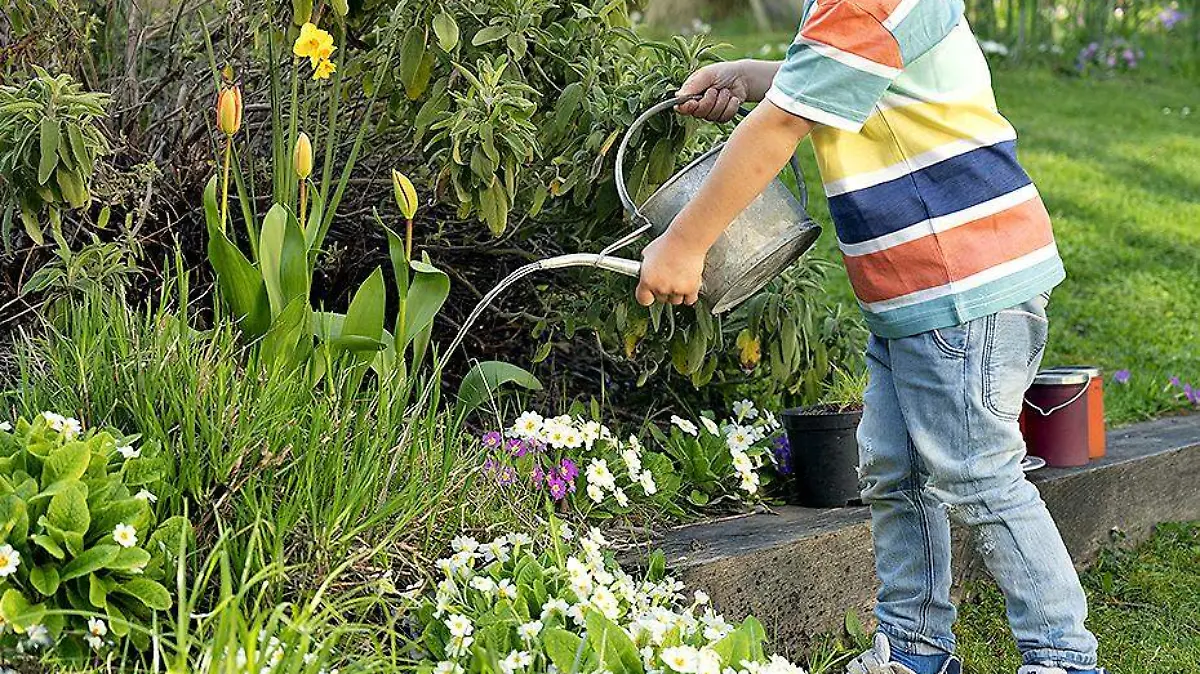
{"x": 1122, "y": 376}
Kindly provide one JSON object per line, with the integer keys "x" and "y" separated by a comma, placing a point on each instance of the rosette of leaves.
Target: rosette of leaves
{"x": 50, "y": 139}
{"x": 61, "y": 498}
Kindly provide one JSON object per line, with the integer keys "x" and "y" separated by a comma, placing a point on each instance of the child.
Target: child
{"x": 952, "y": 257}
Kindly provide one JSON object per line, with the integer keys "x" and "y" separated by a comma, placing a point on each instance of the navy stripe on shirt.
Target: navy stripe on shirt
{"x": 943, "y": 188}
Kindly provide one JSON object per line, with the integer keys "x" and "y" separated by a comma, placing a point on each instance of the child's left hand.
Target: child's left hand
{"x": 671, "y": 271}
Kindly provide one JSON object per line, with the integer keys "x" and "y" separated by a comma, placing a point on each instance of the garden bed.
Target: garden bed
{"x": 800, "y": 570}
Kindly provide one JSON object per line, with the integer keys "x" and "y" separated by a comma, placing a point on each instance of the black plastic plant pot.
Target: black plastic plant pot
{"x": 824, "y": 456}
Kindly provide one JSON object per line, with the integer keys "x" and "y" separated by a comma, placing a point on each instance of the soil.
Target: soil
{"x": 829, "y": 408}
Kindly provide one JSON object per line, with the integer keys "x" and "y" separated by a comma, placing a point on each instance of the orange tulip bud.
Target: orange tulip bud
{"x": 229, "y": 110}
{"x": 302, "y": 157}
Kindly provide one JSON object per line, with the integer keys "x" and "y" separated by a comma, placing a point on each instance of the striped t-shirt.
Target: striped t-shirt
{"x": 937, "y": 221}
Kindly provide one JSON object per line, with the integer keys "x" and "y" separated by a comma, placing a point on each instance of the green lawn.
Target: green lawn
{"x": 1145, "y": 611}
{"x": 1121, "y": 178}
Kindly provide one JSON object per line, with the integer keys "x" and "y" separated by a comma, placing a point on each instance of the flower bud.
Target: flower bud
{"x": 302, "y": 157}
{"x": 406, "y": 194}
{"x": 229, "y": 110}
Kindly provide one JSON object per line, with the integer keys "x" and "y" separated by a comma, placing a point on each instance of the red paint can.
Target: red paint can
{"x": 1056, "y": 417}
{"x": 1095, "y": 406}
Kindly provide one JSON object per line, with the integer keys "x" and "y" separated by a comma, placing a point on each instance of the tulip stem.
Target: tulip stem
{"x": 408, "y": 239}
{"x": 225, "y": 183}
{"x": 303, "y": 202}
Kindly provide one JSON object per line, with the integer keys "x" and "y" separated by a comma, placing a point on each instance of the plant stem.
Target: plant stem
{"x": 408, "y": 240}
{"x": 225, "y": 184}
{"x": 303, "y": 202}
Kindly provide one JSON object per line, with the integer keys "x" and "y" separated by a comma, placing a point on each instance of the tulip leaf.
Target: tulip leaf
{"x": 364, "y": 318}
{"x": 241, "y": 284}
{"x": 484, "y": 379}
{"x": 283, "y": 255}
{"x": 426, "y": 295}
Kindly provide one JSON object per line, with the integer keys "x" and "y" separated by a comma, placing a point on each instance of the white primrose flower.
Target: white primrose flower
{"x": 555, "y": 434}
{"x": 129, "y": 452}
{"x": 496, "y": 550}
{"x": 555, "y": 607}
{"x": 590, "y": 432}
{"x": 10, "y": 559}
{"x": 97, "y": 627}
{"x": 39, "y": 636}
{"x": 744, "y": 410}
{"x": 646, "y": 480}
{"x": 599, "y": 474}
{"x": 633, "y": 462}
{"x": 742, "y": 462}
{"x": 682, "y": 659}
{"x": 528, "y": 425}
{"x": 463, "y": 563}
{"x": 770, "y": 421}
{"x": 125, "y": 535}
{"x": 514, "y": 661}
{"x": 595, "y": 493}
{"x": 448, "y": 667}
{"x": 459, "y": 625}
{"x": 464, "y": 544}
{"x": 622, "y": 499}
{"x": 95, "y": 642}
{"x": 444, "y": 604}
{"x": 684, "y": 425}
{"x": 519, "y": 539}
{"x": 710, "y": 426}
{"x": 146, "y": 496}
{"x": 506, "y": 590}
{"x": 701, "y": 597}
{"x": 459, "y": 646}
{"x": 750, "y": 483}
{"x": 529, "y": 631}
{"x": 605, "y": 601}
{"x": 565, "y": 532}
{"x": 5, "y": 426}
{"x": 484, "y": 584}
{"x": 739, "y": 439}
{"x": 576, "y": 613}
{"x": 708, "y": 662}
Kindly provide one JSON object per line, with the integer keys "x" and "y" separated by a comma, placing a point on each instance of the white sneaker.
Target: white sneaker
{"x": 878, "y": 660}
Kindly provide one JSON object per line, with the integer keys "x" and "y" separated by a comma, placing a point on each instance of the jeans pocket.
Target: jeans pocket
{"x": 1013, "y": 342}
{"x": 952, "y": 341}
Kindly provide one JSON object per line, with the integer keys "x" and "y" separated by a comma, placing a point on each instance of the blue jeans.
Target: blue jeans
{"x": 939, "y": 438}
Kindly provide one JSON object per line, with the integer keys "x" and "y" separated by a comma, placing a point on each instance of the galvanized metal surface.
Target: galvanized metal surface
{"x": 770, "y": 235}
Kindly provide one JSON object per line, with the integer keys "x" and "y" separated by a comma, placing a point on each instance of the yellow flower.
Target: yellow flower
{"x": 302, "y": 157}
{"x": 324, "y": 69}
{"x": 316, "y": 45}
{"x": 229, "y": 110}
{"x": 406, "y": 194}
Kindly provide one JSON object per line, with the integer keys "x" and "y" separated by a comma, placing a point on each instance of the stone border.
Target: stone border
{"x": 800, "y": 570}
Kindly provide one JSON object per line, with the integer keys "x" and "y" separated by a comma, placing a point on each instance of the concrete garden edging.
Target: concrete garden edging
{"x": 799, "y": 570}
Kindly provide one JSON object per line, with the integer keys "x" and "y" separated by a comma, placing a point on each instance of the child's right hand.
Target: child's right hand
{"x": 724, "y": 87}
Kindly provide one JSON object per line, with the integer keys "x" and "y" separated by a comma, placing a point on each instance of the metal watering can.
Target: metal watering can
{"x": 767, "y": 237}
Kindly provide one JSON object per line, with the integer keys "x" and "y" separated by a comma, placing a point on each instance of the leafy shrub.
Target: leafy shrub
{"x": 49, "y": 142}
{"x": 80, "y": 555}
{"x": 564, "y": 605}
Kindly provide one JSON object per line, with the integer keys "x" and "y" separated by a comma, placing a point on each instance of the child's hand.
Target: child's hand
{"x": 671, "y": 272}
{"x": 724, "y": 86}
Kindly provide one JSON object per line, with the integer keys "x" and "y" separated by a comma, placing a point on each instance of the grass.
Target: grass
{"x": 1121, "y": 179}
{"x": 1145, "y": 610}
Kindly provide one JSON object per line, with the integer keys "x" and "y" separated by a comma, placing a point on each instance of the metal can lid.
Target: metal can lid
{"x": 1090, "y": 370}
{"x": 1061, "y": 378}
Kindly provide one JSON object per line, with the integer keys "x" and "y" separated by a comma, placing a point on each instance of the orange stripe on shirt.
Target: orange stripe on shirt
{"x": 847, "y": 27}
{"x": 952, "y": 255}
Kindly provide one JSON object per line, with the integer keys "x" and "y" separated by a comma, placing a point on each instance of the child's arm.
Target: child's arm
{"x": 726, "y": 86}
{"x": 754, "y": 155}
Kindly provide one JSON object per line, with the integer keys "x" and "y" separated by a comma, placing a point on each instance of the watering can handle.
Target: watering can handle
{"x": 642, "y": 221}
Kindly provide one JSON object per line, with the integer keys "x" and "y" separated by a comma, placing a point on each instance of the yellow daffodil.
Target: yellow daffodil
{"x": 302, "y": 157}
{"x": 229, "y": 110}
{"x": 324, "y": 69}
{"x": 314, "y": 44}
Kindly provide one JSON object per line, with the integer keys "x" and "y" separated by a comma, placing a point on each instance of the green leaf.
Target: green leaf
{"x": 91, "y": 560}
{"x": 150, "y": 593}
{"x": 18, "y": 612}
{"x": 14, "y": 518}
{"x": 613, "y": 647}
{"x": 241, "y": 285}
{"x": 562, "y": 647}
{"x": 489, "y": 34}
{"x": 364, "y": 318}
{"x": 426, "y": 295}
{"x": 446, "y": 29}
{"x": 97, "y": 591}
{"x": 69, "y": 511}
{"x": 129, "y": 559}
{"x": 72, "y": 187}
{"x": 68, "y": 462}
{"x": 289, "y": 341}
{"x": 412, "y": 53}
{"x": 283, "y": 255}
{"x": 44, "y": 579}
{"x": 484, "y": 379}
{"x": 46, "y": 543}
{"x": 49, "y": 139}
{"x": 79, "y": 149}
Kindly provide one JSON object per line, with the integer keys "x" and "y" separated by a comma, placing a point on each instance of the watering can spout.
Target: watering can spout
{"x": 619, "y": 265}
